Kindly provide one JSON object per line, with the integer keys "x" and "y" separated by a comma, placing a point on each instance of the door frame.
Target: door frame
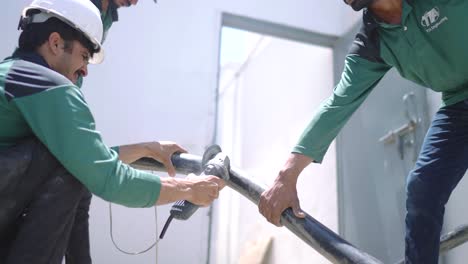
{"x": 336, "y": 43}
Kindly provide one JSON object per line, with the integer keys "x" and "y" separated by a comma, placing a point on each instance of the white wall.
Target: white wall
{"x": 167, "y": 54}
{"x": 167, "y": 70}
{"x": 11, "y": 11}
{"x": 158, "y": 83}
{"x": 261, "y": 117}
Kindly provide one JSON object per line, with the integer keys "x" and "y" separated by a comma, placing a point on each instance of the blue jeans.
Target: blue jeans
{"x": 41, "y": 205}
{"x": 440, "y": 166}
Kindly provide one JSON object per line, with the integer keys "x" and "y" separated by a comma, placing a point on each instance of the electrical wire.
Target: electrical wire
{"x": 154, "y": 245}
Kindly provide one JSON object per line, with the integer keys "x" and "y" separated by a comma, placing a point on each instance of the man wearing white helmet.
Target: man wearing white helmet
{"x": 50, "y": 152}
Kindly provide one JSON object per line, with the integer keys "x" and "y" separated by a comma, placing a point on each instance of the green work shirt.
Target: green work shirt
{"x": 36, "y": 101}
{"x": 107, "y": 21}
{"x": 429, "y": 47}
{"x": 109, "y": 16}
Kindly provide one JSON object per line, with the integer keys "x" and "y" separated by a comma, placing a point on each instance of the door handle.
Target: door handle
{"x": 399, "y": 135}
{"x": 392, "y": 136}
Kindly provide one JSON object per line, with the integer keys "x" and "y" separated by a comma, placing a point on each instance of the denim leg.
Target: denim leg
{"x": 78, "y": 251}
{"x": 43, "y": 235}
{"x": 441, "y": 164}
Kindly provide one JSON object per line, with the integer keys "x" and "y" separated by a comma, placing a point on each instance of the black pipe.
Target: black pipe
{"x": 311, "y": 231}
{"x": 454, "y": 238}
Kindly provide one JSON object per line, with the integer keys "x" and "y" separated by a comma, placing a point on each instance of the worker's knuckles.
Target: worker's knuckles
{"x": 274, "y": 220}
{"x": 261, "y": 207}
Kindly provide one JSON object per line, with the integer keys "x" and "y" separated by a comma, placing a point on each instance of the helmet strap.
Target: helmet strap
{"x": 33, "y": 18}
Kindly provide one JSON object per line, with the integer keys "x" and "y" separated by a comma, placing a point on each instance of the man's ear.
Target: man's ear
{"x": 55, "y": 43}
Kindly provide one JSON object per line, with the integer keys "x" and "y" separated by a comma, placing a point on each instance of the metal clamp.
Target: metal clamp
{"x": 216, "y": 162}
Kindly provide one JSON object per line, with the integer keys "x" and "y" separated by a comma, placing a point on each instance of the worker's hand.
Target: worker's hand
{"x": 283, "y": 193}
{"x": 204, "y": 189}
{"x": 279, "y": 197}
{"x": 162, "y": 151}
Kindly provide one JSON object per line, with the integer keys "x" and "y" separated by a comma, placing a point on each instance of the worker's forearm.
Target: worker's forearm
{"x": 130, "y": 153}
{"x": 294, "y": 166}
{"x": 174, "y": 189}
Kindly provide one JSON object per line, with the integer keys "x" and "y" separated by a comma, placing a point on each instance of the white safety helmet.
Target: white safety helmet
{"x": 81, "y": 15}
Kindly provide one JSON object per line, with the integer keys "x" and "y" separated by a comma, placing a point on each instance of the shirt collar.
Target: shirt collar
{"x": 33, "y": 57}
{"x": 407, "y": 8}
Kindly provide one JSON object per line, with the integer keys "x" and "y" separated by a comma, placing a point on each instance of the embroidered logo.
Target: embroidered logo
{"x": 431, "y": 19}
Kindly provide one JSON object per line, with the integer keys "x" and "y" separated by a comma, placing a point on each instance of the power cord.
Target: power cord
{"x": 138, "y": 252}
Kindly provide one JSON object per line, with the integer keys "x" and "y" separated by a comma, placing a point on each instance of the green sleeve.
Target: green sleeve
{"x": 107, "y": 22}
{"x": 359, "y": 77}
{"x": 61, "y": 119}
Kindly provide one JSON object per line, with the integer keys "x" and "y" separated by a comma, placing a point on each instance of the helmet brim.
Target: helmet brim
{"x": 98, "y": 57}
